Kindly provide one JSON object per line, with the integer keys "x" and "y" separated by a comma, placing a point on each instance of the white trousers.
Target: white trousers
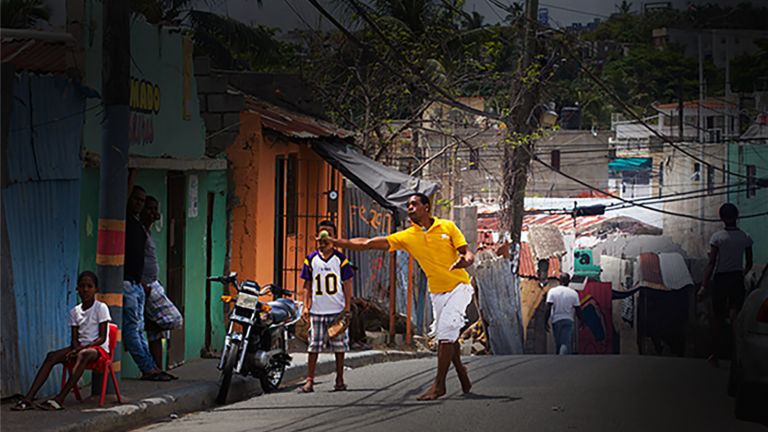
{"x": 450, "y": 309}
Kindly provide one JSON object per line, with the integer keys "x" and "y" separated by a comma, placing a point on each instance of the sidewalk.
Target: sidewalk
{"x": 195, "y": 390}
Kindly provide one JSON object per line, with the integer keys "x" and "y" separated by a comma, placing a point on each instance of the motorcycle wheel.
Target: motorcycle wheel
{"x": 226, "y": 373}
{"x": 270, "y": 379}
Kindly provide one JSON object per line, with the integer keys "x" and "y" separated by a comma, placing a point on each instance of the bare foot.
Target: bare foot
{"x": 466, "y": 384}
{"x": 432, "y": 394}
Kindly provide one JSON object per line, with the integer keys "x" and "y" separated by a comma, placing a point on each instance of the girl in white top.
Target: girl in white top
{"x": 89, "y": 321}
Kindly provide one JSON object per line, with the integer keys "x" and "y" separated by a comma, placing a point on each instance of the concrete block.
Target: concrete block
{"x": 220, "y": 142}
{"x": 376, "y": 338}
{"x": 202, "y": 66}
{"x": 212, "y": 122}
{"x": 211, "y": 84}
{"x": 222, "y": 103}
{"x": 228, "y": 120}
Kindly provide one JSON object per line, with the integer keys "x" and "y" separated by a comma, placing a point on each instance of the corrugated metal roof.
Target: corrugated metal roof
{"x": 293, "y": 124}
{"x": 37, "y": 51}
{"x": 528, "y": 267}
{"x": 562, "y": 221}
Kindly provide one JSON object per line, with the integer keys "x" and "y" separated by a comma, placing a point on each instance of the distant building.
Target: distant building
{"x": 717, "y": 44}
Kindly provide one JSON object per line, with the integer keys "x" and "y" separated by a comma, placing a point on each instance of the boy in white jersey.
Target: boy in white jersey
{"x": 327, "y": 278}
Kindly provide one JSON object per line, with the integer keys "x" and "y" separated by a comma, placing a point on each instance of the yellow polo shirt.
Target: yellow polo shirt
{"x": 435, "y": 250}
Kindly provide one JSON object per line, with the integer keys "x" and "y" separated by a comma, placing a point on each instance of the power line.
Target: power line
{"x": 603, "y": 86}
{"x": 56, "y": 120}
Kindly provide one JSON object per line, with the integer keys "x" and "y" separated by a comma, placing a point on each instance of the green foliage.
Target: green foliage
{"x": 233, "y": 45}
{"x": 23, "y": 13}
{"x": 750, "y": 72}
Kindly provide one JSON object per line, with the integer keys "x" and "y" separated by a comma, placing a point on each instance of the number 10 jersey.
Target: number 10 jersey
{"x": 326, "y": 277}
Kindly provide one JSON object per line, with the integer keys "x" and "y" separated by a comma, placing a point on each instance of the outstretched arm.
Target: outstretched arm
{"x": 466, "y": 258}
{"x": 362, "y": 243}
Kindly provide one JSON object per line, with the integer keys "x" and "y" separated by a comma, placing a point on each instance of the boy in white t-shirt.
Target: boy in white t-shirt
{"x": 327, "y": 277}
{"x": 90, "y": 343}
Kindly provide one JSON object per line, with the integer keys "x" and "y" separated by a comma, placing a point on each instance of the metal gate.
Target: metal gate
{"x": 306, "y": 192}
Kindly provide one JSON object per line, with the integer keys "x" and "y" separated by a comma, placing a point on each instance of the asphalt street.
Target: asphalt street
{"x": 515, "y": 393}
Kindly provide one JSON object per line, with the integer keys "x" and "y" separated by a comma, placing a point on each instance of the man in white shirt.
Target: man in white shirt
{"x": 730, "y": 258}
{"x": 562, "y": 303}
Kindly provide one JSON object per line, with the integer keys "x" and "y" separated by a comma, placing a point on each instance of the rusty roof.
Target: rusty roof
{"x": 38, "y": 51}
{"x": 293, "y": 124}
{"x": 564, "y": 222}
{"x": 528, "y": 267}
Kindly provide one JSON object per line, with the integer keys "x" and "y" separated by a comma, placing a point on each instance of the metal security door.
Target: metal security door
{"x": 305, "y": 194}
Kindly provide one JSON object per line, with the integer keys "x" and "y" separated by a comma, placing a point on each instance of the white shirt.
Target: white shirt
{"x": 87, "y": 323}
{"x": 563, "y": 300}
{"x": 327, "y": 277}
{"x": 730, "y": 244}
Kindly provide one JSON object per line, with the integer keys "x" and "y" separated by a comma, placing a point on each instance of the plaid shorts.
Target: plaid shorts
{"x": 318, "y": 335}
{"x": 160, "y": 314}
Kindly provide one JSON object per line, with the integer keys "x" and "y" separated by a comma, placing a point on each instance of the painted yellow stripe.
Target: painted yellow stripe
{"x": 112, "y": 224}
{"x": 116, "y": 366}
{"x": 110, "y": 260}
{"x": 346, "y": 262}
{"x": 110, "y": 299}
{"x": 306, "y": 262}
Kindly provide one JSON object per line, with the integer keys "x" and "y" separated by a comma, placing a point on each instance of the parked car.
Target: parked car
{"x": 748, "y": 381}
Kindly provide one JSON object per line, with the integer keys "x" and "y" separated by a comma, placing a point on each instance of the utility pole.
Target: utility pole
{"x": 517, "y": 155}
{"x": 113, "y": 170}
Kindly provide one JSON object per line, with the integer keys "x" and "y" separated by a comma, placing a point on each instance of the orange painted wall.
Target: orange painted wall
{"x": 252, "y": 165}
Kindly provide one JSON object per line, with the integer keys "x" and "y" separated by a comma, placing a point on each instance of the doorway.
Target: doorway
{"x": 176, "y": 253}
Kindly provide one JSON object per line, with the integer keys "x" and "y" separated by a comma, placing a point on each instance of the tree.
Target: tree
{"x": 23, "y": 13}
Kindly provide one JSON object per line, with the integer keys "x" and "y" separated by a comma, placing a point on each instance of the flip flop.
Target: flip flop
{"x": 160, "y": 376}
{"x": 50, "y": 405}
{"x": 303, "y": 389}
{"x": 338, "y": 388}
{"x": 173, "y": 377}
{"x": 22, "y": 405}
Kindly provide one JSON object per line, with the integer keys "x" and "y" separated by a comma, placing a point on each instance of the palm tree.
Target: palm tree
{"x": 23, "y": 13}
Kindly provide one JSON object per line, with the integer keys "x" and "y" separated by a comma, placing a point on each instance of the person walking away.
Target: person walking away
{"x": 324, "y": 272}
{"x": 562, "y": 304}
{"x": 442, "y": 253}
{"x": 729, "y": 249}
{"x": 160, "y": 314}
{"x": 90, "y": 343}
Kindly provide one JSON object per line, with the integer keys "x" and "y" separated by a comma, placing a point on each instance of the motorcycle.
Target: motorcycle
{"x": 255, "y": 343}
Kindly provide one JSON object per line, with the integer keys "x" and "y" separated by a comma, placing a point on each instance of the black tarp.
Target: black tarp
{"x": 389, "y": 187}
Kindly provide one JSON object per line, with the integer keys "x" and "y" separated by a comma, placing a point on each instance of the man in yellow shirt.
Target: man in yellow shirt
{"x": 442, "y": 252}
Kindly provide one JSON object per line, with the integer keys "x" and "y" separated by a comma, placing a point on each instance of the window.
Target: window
{"x": 474, "y": 158}
{"x": 751, "y": 181}
{"x": 696, "y": 171}
{"x": 710, "y": 179}
{"x": 555, "y": 159}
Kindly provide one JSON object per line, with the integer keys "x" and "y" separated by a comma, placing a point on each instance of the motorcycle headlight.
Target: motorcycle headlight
{"x": 247, "y": 301}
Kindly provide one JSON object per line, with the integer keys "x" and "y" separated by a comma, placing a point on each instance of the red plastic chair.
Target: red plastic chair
{"x": 102, "y": 366}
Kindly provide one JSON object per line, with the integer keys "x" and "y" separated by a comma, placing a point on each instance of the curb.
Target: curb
{"x": 201, "y": 396}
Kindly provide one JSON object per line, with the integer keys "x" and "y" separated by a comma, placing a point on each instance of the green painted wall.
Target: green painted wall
{"x": 739, "y": 156}
{"x": 157, "y": 57}
{"x": 195, "y": 261}
{"x": 154, "y": 182}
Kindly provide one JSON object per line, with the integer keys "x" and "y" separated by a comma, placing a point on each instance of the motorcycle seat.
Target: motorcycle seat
{"x": 283, "y": 310}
